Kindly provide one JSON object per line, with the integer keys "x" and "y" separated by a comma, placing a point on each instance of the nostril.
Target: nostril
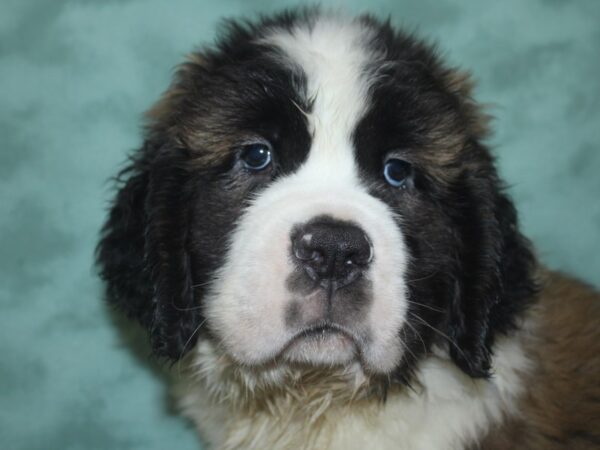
{"x": 364, "y": 255}
{"x": 303, "y": 250}
{"x": 330, "y": 249}
{"x": 307, "y": 255}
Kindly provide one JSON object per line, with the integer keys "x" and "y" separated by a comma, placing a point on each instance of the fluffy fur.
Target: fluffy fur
{"x": 433, "y": 343}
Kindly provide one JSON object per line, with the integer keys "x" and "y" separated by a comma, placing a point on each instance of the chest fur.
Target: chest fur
{"x": 445, "y": 410}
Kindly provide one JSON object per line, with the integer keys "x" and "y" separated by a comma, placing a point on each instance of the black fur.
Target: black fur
{"x": 170, "y": 221}
{"x": 470, "y": 269}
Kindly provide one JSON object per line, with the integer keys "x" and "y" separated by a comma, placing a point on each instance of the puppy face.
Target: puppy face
{"x": 315, "y": 266}
{"x": 314, "y": 191}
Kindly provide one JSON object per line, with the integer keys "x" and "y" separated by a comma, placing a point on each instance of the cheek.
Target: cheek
{"x": 251, "y": 300}
{"x": 431, "y": 239}
{"x": 244, "y": 301}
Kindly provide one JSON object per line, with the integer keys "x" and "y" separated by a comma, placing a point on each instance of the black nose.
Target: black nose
{"x": 332, "y": 252}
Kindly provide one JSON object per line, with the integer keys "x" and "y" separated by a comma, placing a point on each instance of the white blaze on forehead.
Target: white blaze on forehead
{"x": 333, "y": 55}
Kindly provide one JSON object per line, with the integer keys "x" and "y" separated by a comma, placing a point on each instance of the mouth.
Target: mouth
{"x": 322, "y": 344}
{"x": 321, "y": 331}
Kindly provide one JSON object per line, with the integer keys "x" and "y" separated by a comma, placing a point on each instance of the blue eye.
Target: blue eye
{"x": 397, "y": 172}
{"x": 256, "y": 156}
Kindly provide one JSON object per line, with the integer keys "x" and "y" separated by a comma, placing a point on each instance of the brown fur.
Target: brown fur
{"x": 442, "y": 155}
{"x": 205, "y": 137}
{"x": 162, "y": 112}
{"x": 561, "y": 406}
{"x": 477, "y": 121}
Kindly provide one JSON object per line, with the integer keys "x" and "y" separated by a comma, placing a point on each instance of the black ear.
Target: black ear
{"x": 494, "y": 281}
{"x": 143, "y": 252}
{"x": 120, "y": 252}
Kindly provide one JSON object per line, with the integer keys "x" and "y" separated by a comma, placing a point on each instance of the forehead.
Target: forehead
{"x": 335, "y": 59}
{"x": 347, "y": 85}
{"x": 369, "y": 89}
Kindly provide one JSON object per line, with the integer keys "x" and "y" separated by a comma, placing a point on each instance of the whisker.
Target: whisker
{"x": 191, "y": 308}
{"x": 418, "y": 335}
{"x": 426, "y": 277}
{"x": 304, "y": 113}
{"x": 451, "y": 341}
{"x": 426, "y": 306}
{"x": 185, "y": 346}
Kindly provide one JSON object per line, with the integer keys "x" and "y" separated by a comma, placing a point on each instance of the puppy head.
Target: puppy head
{"x": 315, "y": 191}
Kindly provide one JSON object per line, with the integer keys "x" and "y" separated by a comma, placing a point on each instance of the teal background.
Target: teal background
{"x": 75, "y": 77}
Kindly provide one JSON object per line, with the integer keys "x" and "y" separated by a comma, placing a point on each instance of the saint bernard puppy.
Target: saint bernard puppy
{"x": 315, "y": 229}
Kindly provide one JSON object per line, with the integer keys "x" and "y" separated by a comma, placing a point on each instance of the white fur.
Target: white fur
{"x": 446, "y": 410}
{"x": 236, "y": 402}
{"x": 248, "y": 299}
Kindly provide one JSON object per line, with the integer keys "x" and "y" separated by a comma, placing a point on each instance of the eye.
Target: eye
{"x": 397, "y": 172}
{"x": 256, "y": 156}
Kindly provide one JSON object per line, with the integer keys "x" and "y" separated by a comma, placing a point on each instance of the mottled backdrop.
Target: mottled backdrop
{"x": 75, "y": 77}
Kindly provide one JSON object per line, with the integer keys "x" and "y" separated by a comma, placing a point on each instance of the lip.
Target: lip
{"x": 322, "y": 331}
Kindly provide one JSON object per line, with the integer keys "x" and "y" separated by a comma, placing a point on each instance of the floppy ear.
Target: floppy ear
{"x": 494, "y": 282}
{"x": 120, "y": 252}
{"x": 494, "y": 265}
{"x": 143, "y": 253}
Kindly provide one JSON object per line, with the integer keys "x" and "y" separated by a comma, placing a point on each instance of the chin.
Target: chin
{"x": 315, "y": 229}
